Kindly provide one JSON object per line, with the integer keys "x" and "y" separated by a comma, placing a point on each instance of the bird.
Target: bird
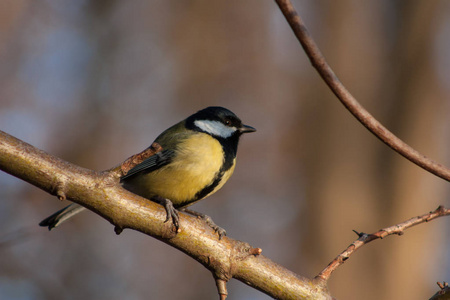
{"x": 198, "y": 157}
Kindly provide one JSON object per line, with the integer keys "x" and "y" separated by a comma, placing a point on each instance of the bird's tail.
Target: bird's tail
{"x": 61, "y": 215}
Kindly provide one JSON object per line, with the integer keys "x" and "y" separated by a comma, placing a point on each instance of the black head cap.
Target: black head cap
{"x": 219, "y": 114}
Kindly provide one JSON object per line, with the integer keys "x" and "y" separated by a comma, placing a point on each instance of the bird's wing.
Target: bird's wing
{"x": 152, "y": 163}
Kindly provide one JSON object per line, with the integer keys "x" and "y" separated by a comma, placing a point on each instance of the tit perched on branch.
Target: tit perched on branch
{"x": 198, "y": 156}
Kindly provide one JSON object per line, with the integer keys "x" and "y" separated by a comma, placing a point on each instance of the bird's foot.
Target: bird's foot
{"x": 171, "y": 212}
{"x": 208, "y": 220}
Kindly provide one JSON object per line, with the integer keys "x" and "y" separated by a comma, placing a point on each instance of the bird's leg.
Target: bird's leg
{"x": 171, "y": 212}
{"x": 220, "y": 231}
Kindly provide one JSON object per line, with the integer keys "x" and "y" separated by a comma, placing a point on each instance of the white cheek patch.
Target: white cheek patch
{"x": 215, "y": 128}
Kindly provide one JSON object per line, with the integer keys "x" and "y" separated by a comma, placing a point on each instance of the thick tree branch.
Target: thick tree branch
{"x": 365, "y": 238}
{"x": 102, "y": 193}
{"x": 363, "y": 116}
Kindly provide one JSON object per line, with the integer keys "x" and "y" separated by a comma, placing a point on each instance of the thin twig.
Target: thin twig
{"x": 365, "y": 238}
{"x": 363, "y": 116}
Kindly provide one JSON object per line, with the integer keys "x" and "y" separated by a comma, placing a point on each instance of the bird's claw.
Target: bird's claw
{"x": 220, "y": 231}
{"x": 171, "y": 212}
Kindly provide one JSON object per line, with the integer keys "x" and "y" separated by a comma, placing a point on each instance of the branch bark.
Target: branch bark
{"x": 102, "y": 193}
{"x": 356, "y": 109}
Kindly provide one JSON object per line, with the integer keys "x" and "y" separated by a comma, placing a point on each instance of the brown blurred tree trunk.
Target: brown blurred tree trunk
{"x": 353, "y": 180}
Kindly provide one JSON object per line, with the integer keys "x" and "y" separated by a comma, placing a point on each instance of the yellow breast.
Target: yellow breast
{"x": 197, "y": 163}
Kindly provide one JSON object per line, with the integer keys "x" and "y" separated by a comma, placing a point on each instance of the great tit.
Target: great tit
{"x": 198, "y": 156}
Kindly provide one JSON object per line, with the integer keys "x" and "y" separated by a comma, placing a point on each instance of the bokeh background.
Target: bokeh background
{"x": 94, "y": 82}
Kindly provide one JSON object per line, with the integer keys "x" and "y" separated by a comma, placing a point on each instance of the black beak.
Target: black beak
{"x": 246, "y": 128}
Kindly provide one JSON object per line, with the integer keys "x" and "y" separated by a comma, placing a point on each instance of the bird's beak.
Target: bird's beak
{"x": 246, "y": 128}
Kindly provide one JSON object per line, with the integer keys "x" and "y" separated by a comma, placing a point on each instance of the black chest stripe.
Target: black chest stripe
{"x": 230, "y": 154}
{"x": 229, "y": 147}
{"x": 209, "y": 188}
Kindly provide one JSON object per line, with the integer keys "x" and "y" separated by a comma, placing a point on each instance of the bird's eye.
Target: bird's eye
{"x": 227, "y": 122}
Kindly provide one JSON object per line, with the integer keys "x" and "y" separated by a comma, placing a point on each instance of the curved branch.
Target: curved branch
{"x": 365, "y": 238}
{"x": 363, "y": 116}
{"x": 102, "y": 193}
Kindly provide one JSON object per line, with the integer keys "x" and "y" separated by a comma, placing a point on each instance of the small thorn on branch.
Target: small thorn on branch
{"x": 61, "y": 195}
{"x": 255, "y": 251}
{"x": 118, "y": 230}
{"x": 222, "y": 288}
{"x": 442, "y": 285}
{"x": 440, "y": 209}
{"x": 61, "y": 190}
{"x": 360, "y": 234}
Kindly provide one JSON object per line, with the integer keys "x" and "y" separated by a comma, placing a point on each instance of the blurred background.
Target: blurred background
{"x": 94, "y": 82}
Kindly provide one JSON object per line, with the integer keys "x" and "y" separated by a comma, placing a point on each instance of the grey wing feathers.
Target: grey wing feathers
{"x": 152, "y": 163}
{"x": 61, "y": 215}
